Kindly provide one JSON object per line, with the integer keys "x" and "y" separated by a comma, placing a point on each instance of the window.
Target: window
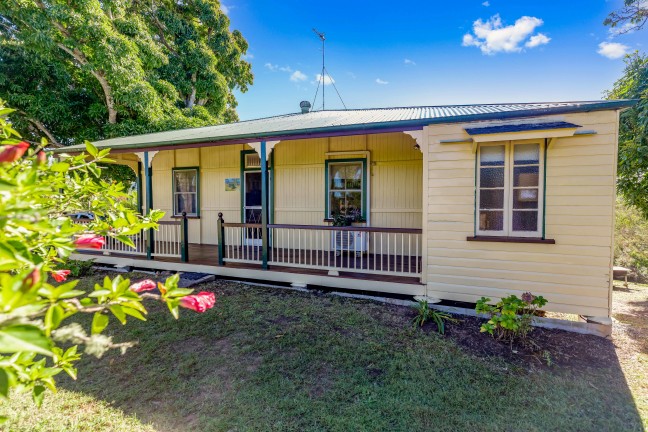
{"x": 346, "y": 187}
{"x": 185, "y": 191}
{"x": 509, "y": 190}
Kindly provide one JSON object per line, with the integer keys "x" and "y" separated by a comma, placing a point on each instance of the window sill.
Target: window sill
{"x": 188, "y": 217}
{"x": 500, "y": 239}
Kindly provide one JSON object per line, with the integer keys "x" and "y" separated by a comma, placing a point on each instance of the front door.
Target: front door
{"x": 252, "y": 206}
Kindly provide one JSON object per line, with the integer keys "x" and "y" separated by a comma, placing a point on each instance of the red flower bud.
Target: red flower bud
{"x": 13, "y": 152}
{"x": 60, "y": 275}
{"x": 89, "y": 241}
{"x": 41, "y": 157}
{"x": 199, "y": 302}
{"x": 145, "y": 285}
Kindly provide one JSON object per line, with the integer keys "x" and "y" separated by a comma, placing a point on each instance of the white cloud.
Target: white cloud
{"x": 327, "y": 79}
{"x": 486, "y": 4}
{"x": 410, "y": 62}
{"x": 274, "y": 68}
{"x": 248, "y": 56}
{"x": 492, "y": 36}
{"x": 298, "y": 76}
{"x": 352, "y": 75}
{"x": 612, "y": 50}
{"x": 537, "y": 40}
{"x": 381, "y": 82}
{"x": 226, "y": 9}
{"x": 624, "y": 29}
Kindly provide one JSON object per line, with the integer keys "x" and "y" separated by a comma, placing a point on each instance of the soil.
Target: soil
{"x": 548, "y": 348}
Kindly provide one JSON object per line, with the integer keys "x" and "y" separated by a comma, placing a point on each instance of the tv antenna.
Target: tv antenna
{"x": 323, "y": 75}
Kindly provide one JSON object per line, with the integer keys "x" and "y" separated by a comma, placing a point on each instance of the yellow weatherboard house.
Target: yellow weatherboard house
{"x": 444, "y": 202}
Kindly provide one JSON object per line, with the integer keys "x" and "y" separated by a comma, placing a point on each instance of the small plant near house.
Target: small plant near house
{"x": 426, "y": 313}
{"x": 77, "y": 268}
{"x": 510, "y": 318}
{"x": 342, "y": 220}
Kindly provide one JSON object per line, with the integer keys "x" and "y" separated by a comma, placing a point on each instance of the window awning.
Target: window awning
{"x": 505, "y": 132}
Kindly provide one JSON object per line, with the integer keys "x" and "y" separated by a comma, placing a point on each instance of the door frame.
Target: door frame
{"x": 270, "y": 184}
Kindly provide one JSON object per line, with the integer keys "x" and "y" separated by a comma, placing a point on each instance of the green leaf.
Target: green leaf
{"x": 118, "y": 311}
{"x": 134, "y": 313}
{"x": 99, "y": 322}
{"x": 99, "y": 293}
{"x": 91, "y": 149}
{"x": 38, "y": 394}
{"x": 60, "y": 167}
{"x": 24, "y": 338}
{"x": 4, "y": 383}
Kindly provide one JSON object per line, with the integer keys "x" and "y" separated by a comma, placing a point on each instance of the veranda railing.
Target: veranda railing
{"x": 392, "y": 251}
{"x": 170, "y": 240}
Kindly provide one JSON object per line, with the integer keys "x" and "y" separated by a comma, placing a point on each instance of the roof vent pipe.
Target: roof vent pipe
{"x": 305, "y": 107}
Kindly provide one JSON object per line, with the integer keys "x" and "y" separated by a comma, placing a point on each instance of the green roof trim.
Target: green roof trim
{"x": 344, "y": 122}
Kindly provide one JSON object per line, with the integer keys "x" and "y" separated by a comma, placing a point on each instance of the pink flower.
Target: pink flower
{"x": 41, "y": 157}
{"x": 33, "y": 278}
{"x": 199, "y": 302}
{"x": 145, "y": 285}
{"x": 12, "y": 152}
{"x": 60, "y": 275}
{"x": 89, "y": 241}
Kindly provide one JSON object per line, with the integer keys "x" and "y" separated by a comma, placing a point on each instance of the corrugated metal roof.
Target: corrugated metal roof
{"x": 327, "y": 123}
{"x": 521, "y": 127}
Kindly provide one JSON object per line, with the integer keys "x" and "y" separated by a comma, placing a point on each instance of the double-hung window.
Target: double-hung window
{"x": 346, "y": 188}
{"x": 510, "y": 189}
{"x": 185, "y": 191}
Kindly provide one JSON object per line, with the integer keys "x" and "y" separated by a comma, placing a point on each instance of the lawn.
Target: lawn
{"x": 267, "y": 359}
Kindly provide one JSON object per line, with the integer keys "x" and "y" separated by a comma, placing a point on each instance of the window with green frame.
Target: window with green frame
{"x": 346, "y": 187}
{"x": 186, "y": 189}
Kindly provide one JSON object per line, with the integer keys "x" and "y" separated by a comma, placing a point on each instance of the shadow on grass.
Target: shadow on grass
{"x": 274, "y": 360}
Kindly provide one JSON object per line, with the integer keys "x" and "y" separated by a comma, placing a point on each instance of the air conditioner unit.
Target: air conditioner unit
{"x": 349, "y": 241}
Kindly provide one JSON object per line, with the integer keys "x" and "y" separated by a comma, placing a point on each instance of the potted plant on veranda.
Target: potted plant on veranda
{"x": 350, "y": 241}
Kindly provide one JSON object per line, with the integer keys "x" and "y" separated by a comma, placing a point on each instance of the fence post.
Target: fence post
{"x": 220, "y": 230}
{"x": 184, "y": 235}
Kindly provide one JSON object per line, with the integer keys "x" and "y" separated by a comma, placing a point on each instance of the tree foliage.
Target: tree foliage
{"x": 95, "y": 69}
{"x": 632, "y": 178}
{"x": 38, "y": 336}
{"x": 631, "y": 17}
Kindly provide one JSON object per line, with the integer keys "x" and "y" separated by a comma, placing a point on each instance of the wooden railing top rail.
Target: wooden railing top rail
{"x": 242, "y": 225}
{"x": 349, "y": 228}
{"x": 178, "y": 222}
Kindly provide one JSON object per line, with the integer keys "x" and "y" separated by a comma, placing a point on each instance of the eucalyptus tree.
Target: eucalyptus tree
{"x": 100, "y": 68}
{"x": 633, "y": 132}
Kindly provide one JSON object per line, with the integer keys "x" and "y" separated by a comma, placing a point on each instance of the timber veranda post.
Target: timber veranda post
{"x": 220, "y": 231}
{"x": 149, "y": 203}
{"x": 264, "y": 207}
{"x": 184, "y": 235}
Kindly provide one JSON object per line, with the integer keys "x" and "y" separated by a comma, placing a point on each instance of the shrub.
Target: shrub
{"x": 631, "y": 240}
{"x": 426, "y": 313}
{"x": 510, "y": 318}
{"x": 39, "y": 337}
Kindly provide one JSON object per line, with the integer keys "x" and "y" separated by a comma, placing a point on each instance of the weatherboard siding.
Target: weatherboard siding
{"x": 394, "y": 173}
{"x": 394, "y": 176}
{"x": 573, "y": 274}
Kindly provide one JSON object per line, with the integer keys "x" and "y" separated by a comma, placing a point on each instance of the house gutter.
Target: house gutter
{"x": 354, "y": 129}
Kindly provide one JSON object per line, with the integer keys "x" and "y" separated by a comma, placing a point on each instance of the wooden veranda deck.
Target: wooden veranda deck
{"x": 293, "y": 262}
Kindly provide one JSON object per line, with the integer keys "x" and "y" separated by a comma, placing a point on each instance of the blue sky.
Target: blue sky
{"x": 428, "y": 52}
